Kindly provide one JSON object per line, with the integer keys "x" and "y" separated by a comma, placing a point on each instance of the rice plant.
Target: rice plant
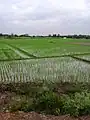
{"x": 51, "y": 69}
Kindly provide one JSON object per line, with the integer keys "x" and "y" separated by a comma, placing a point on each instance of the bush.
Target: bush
{"x": 43, "y": 97}
{"x": 78, "y": 104}
{"x": 19, "y": 106}
{"x": 48, "y": 102}
{"x": 75, "y": 104}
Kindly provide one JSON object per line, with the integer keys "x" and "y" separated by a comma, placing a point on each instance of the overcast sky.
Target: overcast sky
{"x": 45, "y": 16}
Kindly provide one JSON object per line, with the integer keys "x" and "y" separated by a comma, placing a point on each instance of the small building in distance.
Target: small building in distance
{"x": 64, "y": 38}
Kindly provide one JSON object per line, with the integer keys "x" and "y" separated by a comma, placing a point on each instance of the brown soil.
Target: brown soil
{"x": 36, "y": 116}
{"x": 5, "y": 98}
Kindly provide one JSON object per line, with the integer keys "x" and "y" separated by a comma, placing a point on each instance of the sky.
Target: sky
{"x": 43, "y": 17}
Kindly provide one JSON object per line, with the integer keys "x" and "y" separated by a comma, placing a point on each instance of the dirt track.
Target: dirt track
{"x": 35, "y": 116}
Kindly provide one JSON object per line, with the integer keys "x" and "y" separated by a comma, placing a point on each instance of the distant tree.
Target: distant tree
{"x": 33, "y": 36}
{"x": 54, "y": 35}
{"x": 16, "y": 35}
{"x": 1, "y": 34}
{"x": 49, "y": 35}
{"x": 58, "y": 35}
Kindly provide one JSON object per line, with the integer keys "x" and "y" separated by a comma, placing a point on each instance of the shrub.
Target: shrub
{"x": 19, "y": 106}
{"x": 49, "y": 102}
{"x": 77, "y": 104}
{"x": 39, "y": 98}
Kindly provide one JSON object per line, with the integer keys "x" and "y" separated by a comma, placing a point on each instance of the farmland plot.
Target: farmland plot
{"x": 55, "y": 69}
{"x": 22, "y": 52}
{"x": 43, "y": 47}
{"x": 8, "y": 54}
{"x": 55, "y": 50}
{"x": 28, "y": 67}
{"x": 11, "y": 54}
{"x": 2, "y": 55}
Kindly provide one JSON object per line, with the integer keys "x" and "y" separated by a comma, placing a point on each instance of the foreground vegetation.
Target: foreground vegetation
{"x": 56, "y": 99}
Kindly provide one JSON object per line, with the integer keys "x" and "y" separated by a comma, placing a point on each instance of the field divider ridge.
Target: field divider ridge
{"x": 19, "y": 59}
{"x": 80, "y": 59}
{"x": 23, "y": 51}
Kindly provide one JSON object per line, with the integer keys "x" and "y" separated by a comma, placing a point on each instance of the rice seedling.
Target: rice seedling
{"x": 54, "y": 69}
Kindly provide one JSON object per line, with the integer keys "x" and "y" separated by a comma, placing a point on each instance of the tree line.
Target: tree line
{"x": 50, "y": 35}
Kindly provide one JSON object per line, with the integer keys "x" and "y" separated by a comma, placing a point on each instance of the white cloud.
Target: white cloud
{"x": 69, "y": 4}
{"x": 45, "y": 16}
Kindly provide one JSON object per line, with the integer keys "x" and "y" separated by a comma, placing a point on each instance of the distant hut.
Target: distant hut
{"x": 64, "y": 38}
